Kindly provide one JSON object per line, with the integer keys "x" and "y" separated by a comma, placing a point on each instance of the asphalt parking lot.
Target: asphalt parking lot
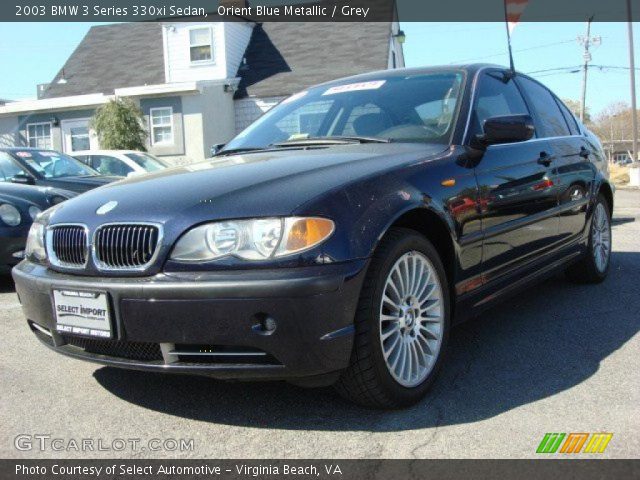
{"x": 558, "y": 358}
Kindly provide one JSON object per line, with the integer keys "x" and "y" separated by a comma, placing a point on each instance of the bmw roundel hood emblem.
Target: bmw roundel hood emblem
{"x": 107, "y": 207}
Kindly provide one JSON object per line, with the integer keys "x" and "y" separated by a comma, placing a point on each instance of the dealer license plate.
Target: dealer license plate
{"x": 82, "y": 313}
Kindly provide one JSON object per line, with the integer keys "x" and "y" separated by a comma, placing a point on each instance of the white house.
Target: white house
{"x": 197, "y": 84}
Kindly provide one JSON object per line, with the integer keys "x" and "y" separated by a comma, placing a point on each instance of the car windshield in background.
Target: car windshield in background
{"x": 149, "y": 163}
{"x": 52, "y": 164}
{"x": 414, "y": 108}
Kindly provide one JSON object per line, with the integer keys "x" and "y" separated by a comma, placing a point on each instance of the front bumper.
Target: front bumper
{"x": 213, "y": 319}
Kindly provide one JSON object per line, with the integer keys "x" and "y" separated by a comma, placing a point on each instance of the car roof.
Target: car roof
{"x": 27, "y": 149}
{"x": 470, "y": 68}
{"x": 104, "y": 152}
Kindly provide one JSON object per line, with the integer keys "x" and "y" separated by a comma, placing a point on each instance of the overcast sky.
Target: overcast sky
{"x": 32, "y": 53}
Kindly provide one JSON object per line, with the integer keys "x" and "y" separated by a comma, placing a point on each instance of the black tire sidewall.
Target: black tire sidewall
{"x": 601, "y": 275}
{"x": 406, "y": 243}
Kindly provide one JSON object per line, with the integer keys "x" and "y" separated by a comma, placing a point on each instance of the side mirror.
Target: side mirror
{"x": 215, "y": 149}
{"x": 507, "y": 129}
{"x": 24, "y": 179}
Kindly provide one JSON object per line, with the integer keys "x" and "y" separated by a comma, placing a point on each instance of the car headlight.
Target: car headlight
{"x": 35, "y": 249}
{"x": 34, "y": 212}
{"x": 257, "y": 239}
{"x": 10, "y": 215}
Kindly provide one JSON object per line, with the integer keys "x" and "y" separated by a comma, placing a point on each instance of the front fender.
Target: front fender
{"x": 364, "y": 212}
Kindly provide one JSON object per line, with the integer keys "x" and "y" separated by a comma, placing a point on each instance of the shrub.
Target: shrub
{"x": 120, "y": 125}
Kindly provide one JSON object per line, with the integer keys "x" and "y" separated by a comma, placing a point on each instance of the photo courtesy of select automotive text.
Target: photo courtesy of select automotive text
{"x": 334, "y": 239}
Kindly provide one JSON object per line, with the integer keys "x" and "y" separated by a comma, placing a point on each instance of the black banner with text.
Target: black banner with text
{"x": 311, "y": 11}
{"x": 321, "y": 469}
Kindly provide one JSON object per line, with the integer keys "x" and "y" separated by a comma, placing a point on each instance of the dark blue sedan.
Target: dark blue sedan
{"x": 334, "y": 241}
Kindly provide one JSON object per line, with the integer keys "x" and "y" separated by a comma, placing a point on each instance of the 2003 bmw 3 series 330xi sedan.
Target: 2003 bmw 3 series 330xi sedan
{"x": 334, "y": 241}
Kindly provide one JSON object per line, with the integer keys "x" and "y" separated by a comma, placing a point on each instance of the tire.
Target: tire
{"x": 370, "y": 379}
{"x": 589, "y": 269}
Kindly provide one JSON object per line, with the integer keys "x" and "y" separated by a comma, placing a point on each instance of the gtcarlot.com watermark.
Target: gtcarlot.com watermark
{"x": 49, "y": 443}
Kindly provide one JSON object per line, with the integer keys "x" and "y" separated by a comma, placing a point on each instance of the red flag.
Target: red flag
{"x": 513, "y": 10}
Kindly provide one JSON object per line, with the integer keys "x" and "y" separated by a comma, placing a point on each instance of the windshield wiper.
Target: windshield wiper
{"x": 233, "y": 151}
{"x": 332, "y": 140}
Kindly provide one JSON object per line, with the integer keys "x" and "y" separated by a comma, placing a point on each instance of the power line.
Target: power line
{"x": 554, "y": 69}
{"x": 577, "y": 69}
{"x": 613, "y": 67}
{"x": 493, "y": 55}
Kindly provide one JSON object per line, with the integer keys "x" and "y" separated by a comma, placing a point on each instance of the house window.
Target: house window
{"x": 200, "y": 45}
{"x": 39, "y": 135}
{"x": 161, "y": 126}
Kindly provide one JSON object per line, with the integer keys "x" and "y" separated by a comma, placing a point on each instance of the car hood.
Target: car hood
{"x": 40, "y": 196}
{"x": 82, "y": 183}
{"x": 257, "y": 184}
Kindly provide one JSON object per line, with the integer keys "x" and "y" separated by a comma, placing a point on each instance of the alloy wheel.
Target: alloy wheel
{"x": 411, "y": 319}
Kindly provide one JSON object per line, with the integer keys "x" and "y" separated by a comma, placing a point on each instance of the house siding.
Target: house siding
{"x": 178, "y": 146}
{"x": 178, "y": 66}
{"x": 8, "y": 132}
{"x": 237, "y": 36}
{"x": 395, "y": 47}
{"x": 56, "y": 131}
{"x": 249, "y": 110}
{"x": 218, "y": 113}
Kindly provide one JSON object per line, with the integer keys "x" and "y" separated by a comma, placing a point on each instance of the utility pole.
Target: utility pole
{"x": 632, "y": 70}
{"x": 586, "y": 41}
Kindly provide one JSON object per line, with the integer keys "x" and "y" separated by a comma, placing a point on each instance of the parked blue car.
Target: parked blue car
{"x": 19, "y": 206}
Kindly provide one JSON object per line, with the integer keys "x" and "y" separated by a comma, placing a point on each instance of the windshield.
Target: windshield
{"x": 52, "y": 164}
{"x": 414, "y": 108}
{"x": 146, "y": 161}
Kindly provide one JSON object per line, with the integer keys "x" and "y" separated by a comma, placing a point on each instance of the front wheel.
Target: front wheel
{"x": 402, "y": 324}
{"x": 594, "y": 266}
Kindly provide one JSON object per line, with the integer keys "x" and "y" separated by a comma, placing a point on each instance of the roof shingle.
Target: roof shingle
{"x": 281, "y": 58}
{"x": 285, "y": 57}
{"x": 110, "y": 57}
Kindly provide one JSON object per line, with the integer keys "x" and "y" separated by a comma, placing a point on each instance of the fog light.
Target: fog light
{"x": 269, "y": 324}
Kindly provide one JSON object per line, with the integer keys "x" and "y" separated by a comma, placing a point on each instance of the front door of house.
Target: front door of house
{"x": 77, "y": 136}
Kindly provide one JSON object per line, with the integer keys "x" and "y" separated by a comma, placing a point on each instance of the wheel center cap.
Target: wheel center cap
{"x": 409, "y": 319}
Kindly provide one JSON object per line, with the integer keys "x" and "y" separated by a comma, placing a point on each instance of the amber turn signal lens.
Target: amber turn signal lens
{"x": 304, "y": 233}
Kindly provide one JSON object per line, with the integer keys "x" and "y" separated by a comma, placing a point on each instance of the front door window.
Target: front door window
{"x": 79, "y": 139}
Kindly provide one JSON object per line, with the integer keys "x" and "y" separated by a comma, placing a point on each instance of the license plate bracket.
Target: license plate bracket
{"x": 81, "y": 312}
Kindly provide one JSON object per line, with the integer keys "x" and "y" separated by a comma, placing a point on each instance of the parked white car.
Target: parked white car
{"x": 121, "y": 163}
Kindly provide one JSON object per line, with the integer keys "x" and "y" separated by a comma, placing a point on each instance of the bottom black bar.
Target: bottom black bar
{"x": 321, "y": 469}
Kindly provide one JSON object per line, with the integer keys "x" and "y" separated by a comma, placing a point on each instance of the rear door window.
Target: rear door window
{"x": 568, "y": 116}
{"x": 549, "y": 118}
{"x": 108, "y": 165}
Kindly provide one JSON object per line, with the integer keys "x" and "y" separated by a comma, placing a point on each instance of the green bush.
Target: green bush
{"x": 120, "y": 125}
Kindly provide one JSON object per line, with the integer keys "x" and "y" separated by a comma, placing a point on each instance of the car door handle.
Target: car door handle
{"x": 584, "y": 152}
{"x": 545, "y": 159}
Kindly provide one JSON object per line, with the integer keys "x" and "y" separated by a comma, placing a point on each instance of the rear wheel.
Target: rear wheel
{"x": 402, "y": 324}
{"x": 594, "y": 266}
